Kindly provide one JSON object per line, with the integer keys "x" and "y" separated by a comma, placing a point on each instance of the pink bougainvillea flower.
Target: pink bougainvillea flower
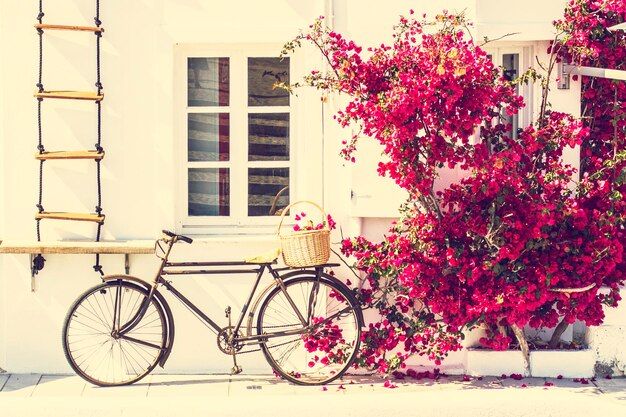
{"x": 489, "y": 249}
{"x": 389, "y": 384}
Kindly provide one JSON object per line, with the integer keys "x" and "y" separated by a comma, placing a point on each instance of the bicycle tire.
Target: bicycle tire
{"x": 90, "y": 346}
{"x": 325, "y": 352}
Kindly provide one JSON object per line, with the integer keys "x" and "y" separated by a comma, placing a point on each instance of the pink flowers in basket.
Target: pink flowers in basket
{"x": 305, "y": 224}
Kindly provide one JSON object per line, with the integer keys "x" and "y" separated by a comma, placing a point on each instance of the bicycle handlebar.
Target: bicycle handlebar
{"x": 177, "y": 237}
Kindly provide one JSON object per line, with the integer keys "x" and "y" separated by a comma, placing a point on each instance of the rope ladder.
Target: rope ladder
{"x": 97, "y": 154}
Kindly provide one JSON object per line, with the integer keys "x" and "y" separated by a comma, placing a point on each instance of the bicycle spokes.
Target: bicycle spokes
{"x": 98, "y": 351}
{"x": 324, "y": 349}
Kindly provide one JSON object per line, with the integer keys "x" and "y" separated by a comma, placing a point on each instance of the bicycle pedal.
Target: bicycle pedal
{"x": 236, "y": 370}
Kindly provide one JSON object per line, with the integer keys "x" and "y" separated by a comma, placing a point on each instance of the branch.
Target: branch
{"x": 487, "y": 40}
{"x": 326, "y": 55}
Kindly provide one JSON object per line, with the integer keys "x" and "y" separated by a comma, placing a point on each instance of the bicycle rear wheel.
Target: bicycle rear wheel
{"x": 320, "y": 352}
{"x": 95, "y": 348}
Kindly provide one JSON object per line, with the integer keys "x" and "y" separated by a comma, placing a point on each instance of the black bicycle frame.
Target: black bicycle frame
{"x": 234, "y": 268}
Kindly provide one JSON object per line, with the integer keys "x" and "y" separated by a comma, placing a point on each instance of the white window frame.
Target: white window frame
{"x": 309, "y": 155}
{"x": 525, "y": 90}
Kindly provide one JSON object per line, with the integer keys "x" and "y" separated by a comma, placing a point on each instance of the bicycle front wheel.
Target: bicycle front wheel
{"x": 96, "y": 348}
{"x": 311, "y": 331}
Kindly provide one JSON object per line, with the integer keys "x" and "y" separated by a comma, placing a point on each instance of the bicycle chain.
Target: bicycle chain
{"x": 273, "y": 346}
{"x": 269, "y": 347}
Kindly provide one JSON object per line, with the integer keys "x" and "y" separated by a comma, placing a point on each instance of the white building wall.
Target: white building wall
{"x": 524, "y": 20}
{"x": 3, "y": 177}
{"x": 138, "y": 172}
{"x": 139, "y": 180}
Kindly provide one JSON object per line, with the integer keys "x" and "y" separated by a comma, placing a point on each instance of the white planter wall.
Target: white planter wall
{"x": 495, "y": 363}
{"x": 609, "y": 341}
{"x": 568, "y": 364}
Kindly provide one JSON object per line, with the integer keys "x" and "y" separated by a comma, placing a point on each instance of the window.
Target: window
{"x": 237, "y": 129}
{"x": 514, "y": 61}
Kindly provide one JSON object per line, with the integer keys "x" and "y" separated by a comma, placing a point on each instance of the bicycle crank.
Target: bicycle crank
{"x": 226, "y": 340}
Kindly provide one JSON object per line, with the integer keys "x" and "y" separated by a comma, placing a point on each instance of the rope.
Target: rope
{"x": 38, "y": 261}
{"x": 97, "y": 18}
{"x": 97, "y": 267}
{"x": 40, "y": 200}
{"x": 41, "y": 13}
{"x": 40, "y": 82}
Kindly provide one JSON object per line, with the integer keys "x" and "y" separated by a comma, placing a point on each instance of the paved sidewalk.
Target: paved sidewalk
{"x": 253, "y": 395}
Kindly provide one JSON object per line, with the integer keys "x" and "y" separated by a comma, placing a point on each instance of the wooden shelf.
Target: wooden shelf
{"x": 69, "y": 27}
{"x": 70, "y": 95}
{"x": 69, "y": 155}
{"x": 81, "y": 217}
{"x": 78, "y": 247}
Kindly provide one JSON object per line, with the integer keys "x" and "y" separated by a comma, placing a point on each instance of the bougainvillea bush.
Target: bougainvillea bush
{"x": 491, "y": 249}
{"x": 586, "y": 41}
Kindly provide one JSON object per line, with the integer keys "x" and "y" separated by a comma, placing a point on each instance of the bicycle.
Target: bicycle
{"x": 308, "y": 323}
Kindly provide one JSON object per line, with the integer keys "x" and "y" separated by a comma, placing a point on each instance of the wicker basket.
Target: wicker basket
{"x": 307, "y": 247}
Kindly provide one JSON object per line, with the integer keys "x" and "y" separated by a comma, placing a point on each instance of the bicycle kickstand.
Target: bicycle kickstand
{"x": 236, "y": 368}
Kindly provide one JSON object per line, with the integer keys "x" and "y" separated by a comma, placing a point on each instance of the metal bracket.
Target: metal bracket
{"x": 33, "y": 273}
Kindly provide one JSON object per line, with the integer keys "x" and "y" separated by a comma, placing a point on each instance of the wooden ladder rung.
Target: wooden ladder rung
{"x": 82, "y": 217}
{"x": 69, "y": 155}
{"x": 69, "y": 27}
{"x": 71, "y": 95}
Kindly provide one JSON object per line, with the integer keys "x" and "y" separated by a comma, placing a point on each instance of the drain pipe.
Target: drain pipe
{"x": 355, "y": 224}
{"x": 329, "y": 13}
{"x": 329, "y": 17}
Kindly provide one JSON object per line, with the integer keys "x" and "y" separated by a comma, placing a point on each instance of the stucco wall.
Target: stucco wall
{"x": 139, "y": 180}
{"x": 138, "y": 172}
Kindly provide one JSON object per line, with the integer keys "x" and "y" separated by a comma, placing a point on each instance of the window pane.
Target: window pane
{"x": 262, "y": 74}
{"x": 268, "y": 190}
{"x": 209, "y": 192}
{"x": 208, "y": 82}
{"x": 510, "y": 62}
{"x": 208, "y": 137}
{"x": 268, "y": 137}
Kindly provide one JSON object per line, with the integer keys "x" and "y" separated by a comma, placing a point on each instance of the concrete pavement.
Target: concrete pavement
{"x": 262, "y": 395}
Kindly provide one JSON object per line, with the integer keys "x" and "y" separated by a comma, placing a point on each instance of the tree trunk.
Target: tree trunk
{"x": 523, "y": 344}
{"x": 502, "y": 329}
{"x": 558, "y": 332}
